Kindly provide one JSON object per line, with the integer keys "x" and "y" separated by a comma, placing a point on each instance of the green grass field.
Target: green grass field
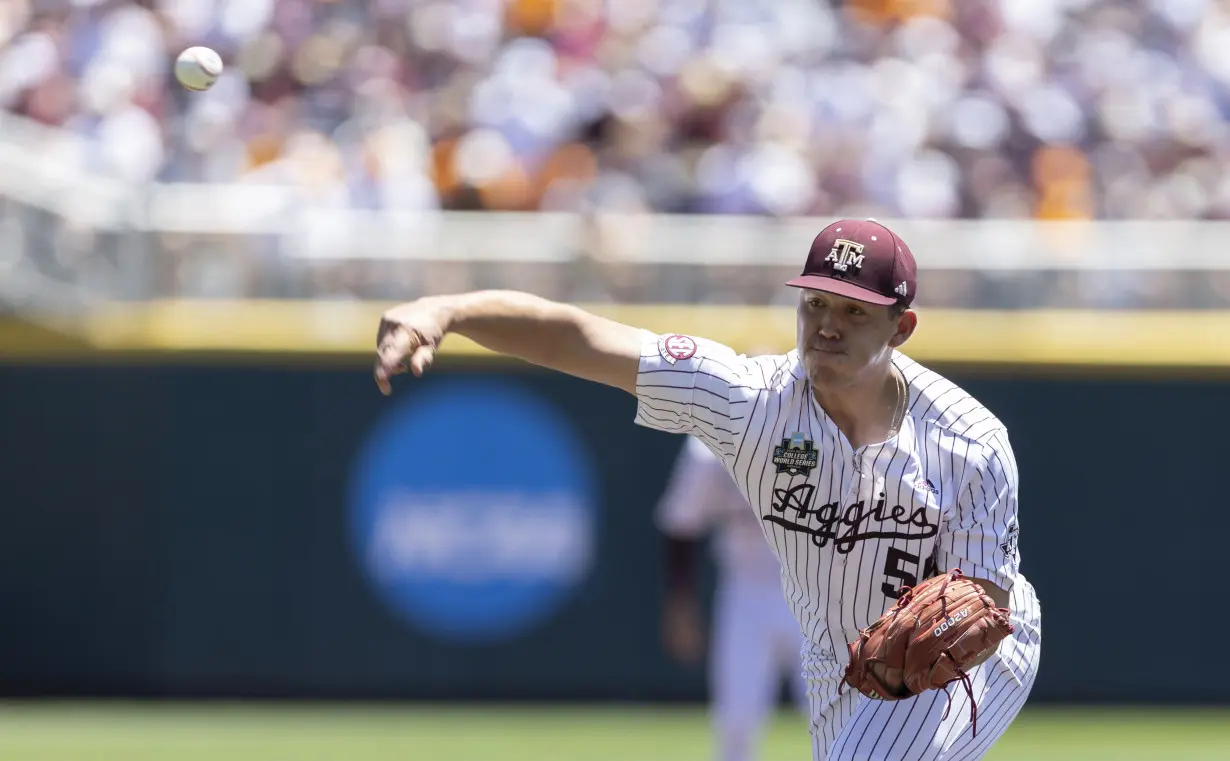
{"x": 175, "y": 732}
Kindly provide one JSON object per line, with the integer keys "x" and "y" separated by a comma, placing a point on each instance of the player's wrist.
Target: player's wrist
{"x": 449, "y": 312}
{"x": 480, "y": 311}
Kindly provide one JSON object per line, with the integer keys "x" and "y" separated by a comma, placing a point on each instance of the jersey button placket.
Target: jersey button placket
{"x": 856, "y": 462}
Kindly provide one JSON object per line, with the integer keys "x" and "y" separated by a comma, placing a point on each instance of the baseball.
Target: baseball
{"x": 197, "y": 68}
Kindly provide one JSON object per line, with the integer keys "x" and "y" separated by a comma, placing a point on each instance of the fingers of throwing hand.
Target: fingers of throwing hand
{"x": 421, "y": 359}
{"x": 395, "y": 342}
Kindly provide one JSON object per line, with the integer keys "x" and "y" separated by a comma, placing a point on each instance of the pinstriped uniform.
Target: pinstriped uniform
{"x": 754, "y": 635}
{"x": 851, "y": 527}
{"x": 701, "y": 498}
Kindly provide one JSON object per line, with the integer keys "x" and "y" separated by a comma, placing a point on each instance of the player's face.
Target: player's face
{"x": 840, "y": 337}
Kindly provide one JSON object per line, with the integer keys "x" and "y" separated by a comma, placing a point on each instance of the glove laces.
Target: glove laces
{"x": 973, "y": 704}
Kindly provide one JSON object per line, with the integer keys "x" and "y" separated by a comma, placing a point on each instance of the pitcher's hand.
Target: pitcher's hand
{"x": 408, "y": 337}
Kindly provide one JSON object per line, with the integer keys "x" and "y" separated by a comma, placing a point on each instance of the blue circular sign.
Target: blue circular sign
{"x": 473, "y": 509}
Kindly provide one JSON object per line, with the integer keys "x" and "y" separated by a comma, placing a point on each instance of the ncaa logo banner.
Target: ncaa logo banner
{"x": 473, "y": 510}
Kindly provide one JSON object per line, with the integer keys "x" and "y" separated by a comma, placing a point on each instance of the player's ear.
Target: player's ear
{"x": 906, "y": 321}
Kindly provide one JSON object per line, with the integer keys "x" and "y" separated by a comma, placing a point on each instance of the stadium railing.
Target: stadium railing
{"x": 90, "y": 260}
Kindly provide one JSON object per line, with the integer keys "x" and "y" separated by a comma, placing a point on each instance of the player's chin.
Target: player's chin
{"x": 827, "y": 368}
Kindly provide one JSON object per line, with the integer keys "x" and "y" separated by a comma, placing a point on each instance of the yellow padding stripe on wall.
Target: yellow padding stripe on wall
{"x": 1043, "y": 337}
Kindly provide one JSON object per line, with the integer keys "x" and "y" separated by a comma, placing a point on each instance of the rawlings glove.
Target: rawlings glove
{"x": 931, "y": 635}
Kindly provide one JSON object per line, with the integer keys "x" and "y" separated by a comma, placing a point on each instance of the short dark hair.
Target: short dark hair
{"x": 896, "y": 310}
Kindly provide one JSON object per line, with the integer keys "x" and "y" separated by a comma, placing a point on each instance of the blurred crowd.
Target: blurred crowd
{"x": 900, "y": 108}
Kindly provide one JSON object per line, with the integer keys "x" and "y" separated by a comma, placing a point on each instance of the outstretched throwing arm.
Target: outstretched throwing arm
{"x": 545, "y": 333}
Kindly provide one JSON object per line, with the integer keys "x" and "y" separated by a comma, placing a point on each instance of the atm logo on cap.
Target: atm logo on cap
{"x": 846, "y": 255}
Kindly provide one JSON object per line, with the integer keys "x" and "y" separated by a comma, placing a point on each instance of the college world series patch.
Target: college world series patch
{"x": 676, "y": 347}
{"x": 796, "y": 455}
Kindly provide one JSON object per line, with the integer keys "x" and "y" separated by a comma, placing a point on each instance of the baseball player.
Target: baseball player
{"x": 867, "y": 471}
{"x": 755, "y": 637}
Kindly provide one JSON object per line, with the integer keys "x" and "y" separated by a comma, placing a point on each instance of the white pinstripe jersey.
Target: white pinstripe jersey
{"x": 849, "y": 527}
{"x": 702, "y": 497}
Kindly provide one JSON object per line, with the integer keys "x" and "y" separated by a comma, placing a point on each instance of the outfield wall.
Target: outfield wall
{"x": 277, "y": 527}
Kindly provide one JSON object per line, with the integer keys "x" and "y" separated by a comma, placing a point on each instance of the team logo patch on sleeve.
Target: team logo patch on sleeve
{"x": 796, "y": 455}
{"x": 676, "y": 347}
{"x": 1009, "y": 546}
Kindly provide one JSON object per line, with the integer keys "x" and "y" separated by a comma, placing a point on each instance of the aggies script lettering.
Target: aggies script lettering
{"x": 849, "y": 526}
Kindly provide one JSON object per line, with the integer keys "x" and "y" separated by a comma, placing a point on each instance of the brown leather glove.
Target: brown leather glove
{"x": 931, "y": 636}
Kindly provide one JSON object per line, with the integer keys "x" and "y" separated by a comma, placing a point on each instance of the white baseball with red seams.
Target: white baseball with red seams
{"x": 197, "y": 68}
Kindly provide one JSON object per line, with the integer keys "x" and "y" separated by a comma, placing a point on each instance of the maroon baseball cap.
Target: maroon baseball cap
{"x": 860, "y": 259}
